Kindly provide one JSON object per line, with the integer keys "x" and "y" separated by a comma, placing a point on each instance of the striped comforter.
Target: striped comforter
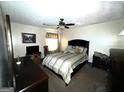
{"x": 64, "y": 63}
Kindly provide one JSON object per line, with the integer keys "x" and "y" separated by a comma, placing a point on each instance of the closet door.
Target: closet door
{"x": 6, "y": 54}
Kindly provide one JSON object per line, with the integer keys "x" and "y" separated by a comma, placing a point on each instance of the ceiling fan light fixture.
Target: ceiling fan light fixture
{"x": 61, "y": 26}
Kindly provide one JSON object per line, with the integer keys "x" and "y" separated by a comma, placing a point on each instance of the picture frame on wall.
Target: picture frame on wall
{"x": 28, "y": 38}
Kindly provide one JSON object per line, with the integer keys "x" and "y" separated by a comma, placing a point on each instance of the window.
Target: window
{"x": 52, "y": 41}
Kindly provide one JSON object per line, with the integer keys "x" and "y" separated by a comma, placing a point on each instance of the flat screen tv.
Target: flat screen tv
{"x": 32, "y": 50}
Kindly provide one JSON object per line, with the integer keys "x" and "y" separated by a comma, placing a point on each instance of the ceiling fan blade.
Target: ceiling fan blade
{"x": 70, "y": 24}
{"x": 66, "y": 27}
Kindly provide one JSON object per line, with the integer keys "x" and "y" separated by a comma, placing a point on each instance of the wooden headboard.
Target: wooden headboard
{"x": 79, "y": 42}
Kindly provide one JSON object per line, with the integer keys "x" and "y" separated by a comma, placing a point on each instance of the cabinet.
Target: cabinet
{"x": 117, "y": 69}
{"x": 101, "y": 61}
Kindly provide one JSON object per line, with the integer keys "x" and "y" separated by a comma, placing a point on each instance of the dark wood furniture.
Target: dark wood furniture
{"x": 117, "y": 69}
{"x": 45, "y": 50}
{"x": 30, "y": 77}
{"x": 36, "y": 58}
{"x": 101, "y": 61}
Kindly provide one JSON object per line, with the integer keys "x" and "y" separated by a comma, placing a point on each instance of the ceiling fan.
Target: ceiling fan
{"x": 63, "y": 24}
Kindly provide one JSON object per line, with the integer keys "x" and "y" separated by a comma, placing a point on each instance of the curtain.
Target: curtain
{"x": 52, "y": 35}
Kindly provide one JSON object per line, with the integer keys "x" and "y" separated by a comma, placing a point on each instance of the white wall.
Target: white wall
{"x": 102, "y": 36}
{"x": 18, "y": 46}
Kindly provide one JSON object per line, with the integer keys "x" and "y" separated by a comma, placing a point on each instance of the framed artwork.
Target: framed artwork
{"x": 28, "y": 38}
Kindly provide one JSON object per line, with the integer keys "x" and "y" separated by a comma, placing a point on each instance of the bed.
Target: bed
{"x": 64, "y": 63}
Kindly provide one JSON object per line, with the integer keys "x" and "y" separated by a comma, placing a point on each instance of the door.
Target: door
{"x": 6, "y": 53}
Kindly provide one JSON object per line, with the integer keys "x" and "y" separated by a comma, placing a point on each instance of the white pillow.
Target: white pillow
{"x": 70, "y": 49}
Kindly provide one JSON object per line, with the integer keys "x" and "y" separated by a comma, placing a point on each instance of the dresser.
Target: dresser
{"x": 30, "y": 77}
{"x": 101, "y": 61}
{"x": 117, "y": 69}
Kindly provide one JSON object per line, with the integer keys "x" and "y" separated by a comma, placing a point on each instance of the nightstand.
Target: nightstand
{"x": 101, "y": 61}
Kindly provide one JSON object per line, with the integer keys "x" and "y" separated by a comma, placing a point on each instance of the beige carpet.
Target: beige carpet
{"x": 87, "y": 79}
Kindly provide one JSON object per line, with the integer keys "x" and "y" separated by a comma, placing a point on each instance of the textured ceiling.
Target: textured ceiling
{"x": 50, "y": 11}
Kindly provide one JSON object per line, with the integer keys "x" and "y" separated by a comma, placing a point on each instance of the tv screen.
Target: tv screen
{"x": 32, "y": 49}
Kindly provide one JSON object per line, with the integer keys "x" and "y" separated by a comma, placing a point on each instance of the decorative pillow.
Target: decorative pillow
{"x": 80, "y": 50}
{"x": 77, "y": 50}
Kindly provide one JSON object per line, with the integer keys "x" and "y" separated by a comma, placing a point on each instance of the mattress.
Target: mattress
{"x": 64, "y": 63}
